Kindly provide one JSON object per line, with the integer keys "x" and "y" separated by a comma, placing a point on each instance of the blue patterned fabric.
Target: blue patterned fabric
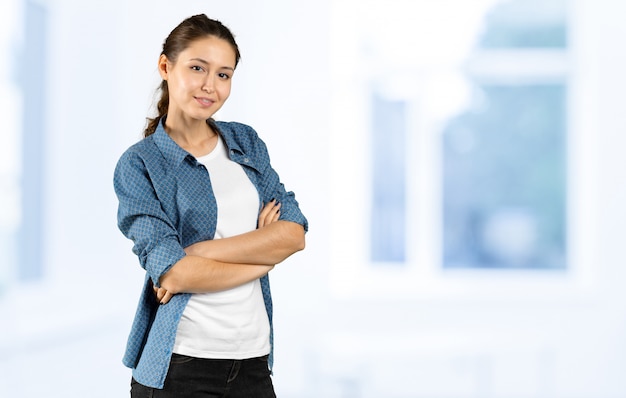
{"x": 166, "y": 204}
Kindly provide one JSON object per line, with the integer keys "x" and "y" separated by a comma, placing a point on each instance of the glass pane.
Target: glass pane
{"x": 526, "y": 24}
{"x": 504, "y": 188}
{"x": 388, "y": 215}
{"x": 33, "y": 83}
{"x": 10, "y": 156}
{"x": 504, "y": 157}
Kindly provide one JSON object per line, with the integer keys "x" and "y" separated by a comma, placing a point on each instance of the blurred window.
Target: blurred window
{"x": 389, "y": 180}
{"x": 10, "y": 109}
{"x": 505, "y": 155}
{"x": 32, "y": 81}
{"x": 503, "y": 145}
{"x": 22, "y": 111}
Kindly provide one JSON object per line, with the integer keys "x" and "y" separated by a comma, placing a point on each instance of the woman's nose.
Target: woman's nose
{"x": 208, "y": 86}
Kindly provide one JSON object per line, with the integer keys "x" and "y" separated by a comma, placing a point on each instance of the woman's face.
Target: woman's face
{"x": 199, "y": 81}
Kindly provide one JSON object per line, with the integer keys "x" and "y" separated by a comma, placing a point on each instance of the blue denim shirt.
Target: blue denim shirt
{"x": 166, "y": 204}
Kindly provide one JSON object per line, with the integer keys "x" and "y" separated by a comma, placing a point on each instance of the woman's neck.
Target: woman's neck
{"x": 195, "y": 136}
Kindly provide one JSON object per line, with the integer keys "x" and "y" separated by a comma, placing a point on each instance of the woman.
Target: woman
{"x": 209, "y": 218}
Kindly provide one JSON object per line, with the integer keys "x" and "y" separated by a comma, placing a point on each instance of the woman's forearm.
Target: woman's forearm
{"x": 193, "y": 274}
{"x": 268, "y": 246}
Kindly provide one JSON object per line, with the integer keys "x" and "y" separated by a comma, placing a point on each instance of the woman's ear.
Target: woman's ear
{"x": 164, "y": 66}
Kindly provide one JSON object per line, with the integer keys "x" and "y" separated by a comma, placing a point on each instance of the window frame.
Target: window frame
{"x": 352, "y": 274}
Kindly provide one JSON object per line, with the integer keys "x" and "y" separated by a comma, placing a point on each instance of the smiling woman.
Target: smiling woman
{"x": 199, "y": 83}
{"x": 186, "y": 38}
{"x": 209, "y": 218}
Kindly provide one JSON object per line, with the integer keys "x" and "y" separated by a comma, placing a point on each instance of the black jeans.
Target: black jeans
{"x": 190, "y": 377}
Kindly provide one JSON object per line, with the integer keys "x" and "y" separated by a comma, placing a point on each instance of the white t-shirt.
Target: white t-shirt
{"x": 232, "y": 324}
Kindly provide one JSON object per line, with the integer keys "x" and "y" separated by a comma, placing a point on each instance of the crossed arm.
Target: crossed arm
{"x": 221, "y": 264}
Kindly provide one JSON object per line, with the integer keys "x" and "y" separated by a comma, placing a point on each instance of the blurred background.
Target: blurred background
{"x": 460, "y": 162}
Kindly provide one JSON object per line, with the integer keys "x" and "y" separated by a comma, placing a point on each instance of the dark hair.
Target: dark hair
{"x": 179, "y": 39}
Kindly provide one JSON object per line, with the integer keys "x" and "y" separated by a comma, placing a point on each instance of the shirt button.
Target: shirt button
{"x": 246, "y": 160}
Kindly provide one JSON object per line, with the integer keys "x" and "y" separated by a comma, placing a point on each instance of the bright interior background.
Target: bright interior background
{"x": 357, "y": 101}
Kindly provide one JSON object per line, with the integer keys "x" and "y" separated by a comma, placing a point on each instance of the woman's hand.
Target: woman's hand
{"x": 218, "y": 264}
{"x": 162, "y": 295}
{"x": 269, "y": 214}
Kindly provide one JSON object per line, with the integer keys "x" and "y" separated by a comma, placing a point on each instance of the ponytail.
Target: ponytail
{"x": 162, "y": 105}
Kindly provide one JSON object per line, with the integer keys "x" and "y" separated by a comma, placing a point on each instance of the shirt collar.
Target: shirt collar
{"x": 173, "y": 153}
{"x": 227, "y": 135}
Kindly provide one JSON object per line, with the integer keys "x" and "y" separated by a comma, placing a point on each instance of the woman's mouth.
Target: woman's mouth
{"x": 204, "y": 101}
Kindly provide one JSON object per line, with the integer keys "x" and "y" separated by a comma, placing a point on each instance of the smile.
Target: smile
{"x": 204, "y": 101}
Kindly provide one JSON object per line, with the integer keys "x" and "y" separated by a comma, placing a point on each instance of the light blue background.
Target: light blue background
{"x": 413, "y": 333}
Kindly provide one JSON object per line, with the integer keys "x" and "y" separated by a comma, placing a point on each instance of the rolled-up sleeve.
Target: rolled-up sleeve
{"x": 141, "y": 218}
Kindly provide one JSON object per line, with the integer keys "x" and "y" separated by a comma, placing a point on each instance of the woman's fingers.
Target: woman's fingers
{"x": 166, "y": 297}
{"x": 162, "y": 295}
{"x": 270, "y": 213}
{"x": 276, "y": 214}
{"x": 267, "y": 208}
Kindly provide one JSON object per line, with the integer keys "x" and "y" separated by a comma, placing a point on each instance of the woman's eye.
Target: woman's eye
{"x": 197, "y": 68}
{"x": 224, "y": 76}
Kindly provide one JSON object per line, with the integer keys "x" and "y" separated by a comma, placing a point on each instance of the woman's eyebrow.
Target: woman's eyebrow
{"x": 206, "y": 63}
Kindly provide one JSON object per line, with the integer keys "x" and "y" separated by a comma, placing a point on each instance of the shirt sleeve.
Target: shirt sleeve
{"x": 273, "y": 188}
{"x": 141, "y": 218}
